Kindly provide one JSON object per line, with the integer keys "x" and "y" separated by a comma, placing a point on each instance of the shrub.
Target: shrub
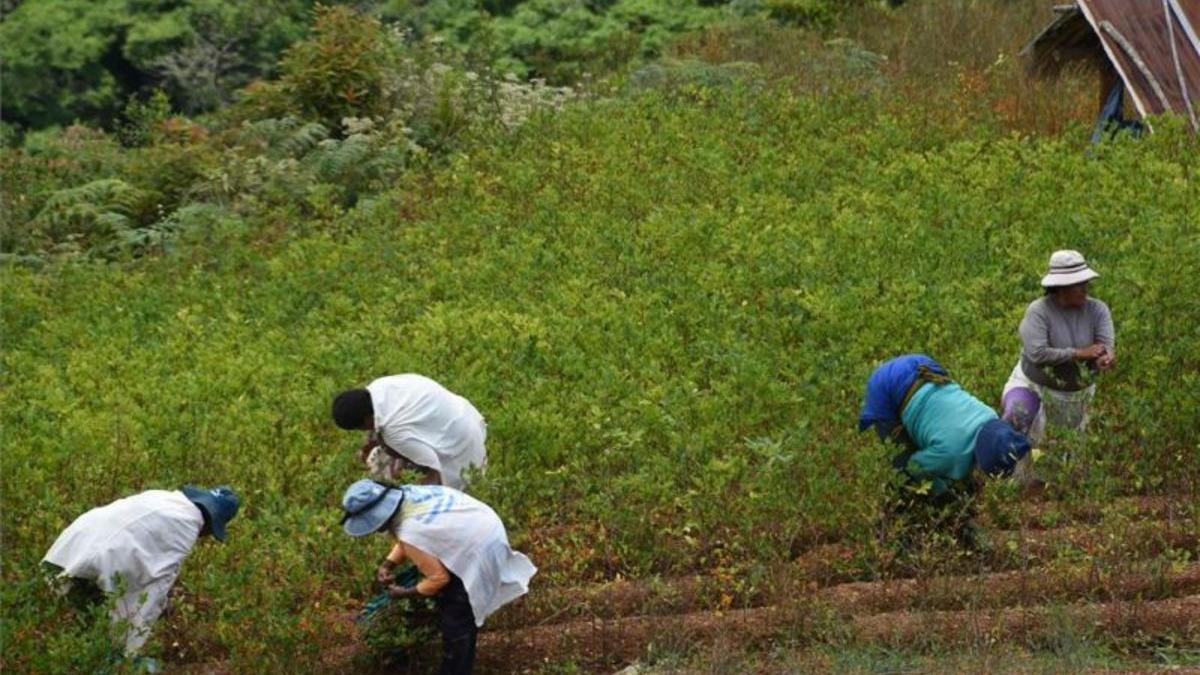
{"x": 142, "y": 118}
{"x": 70, "y": 60}
{"x": 341, "y": 70}
{"x": 94, "y": 211}
{"x": 666, "y": 306}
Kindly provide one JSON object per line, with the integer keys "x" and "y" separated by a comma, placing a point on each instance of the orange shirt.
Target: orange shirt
{"x": 434, "y": 574}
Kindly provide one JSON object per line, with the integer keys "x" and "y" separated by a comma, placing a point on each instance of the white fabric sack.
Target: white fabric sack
{"x": 1068, "y": 409}
{"x": 468, "y": 538}
{"x": 427, "y": 424}
{"x": 140, "y": 542}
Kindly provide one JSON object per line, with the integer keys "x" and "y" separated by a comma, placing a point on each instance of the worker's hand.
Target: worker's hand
{"x": 383, "y": 575}
{"x": 1088, "y": 353}
{"x": 368, "y": 446}
{"x": 398, "y": 591}
{"x": 1106, "y": 361}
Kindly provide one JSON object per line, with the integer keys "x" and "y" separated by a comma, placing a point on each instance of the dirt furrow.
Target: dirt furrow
{"x": 1034, "y": 626}
{"x": 1010, "y": 565}
{"x": 607, "y": 643}
{"x": 1009, "y": 589}
{"x": 1052, "y": 514}
{"x": 820, "y": 596}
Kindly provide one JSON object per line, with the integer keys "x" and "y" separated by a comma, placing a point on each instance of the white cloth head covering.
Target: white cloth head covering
{"x": 428, "y": 425}
{"x": 468, "y": 538}
{"x": 1067, "y": 268}
{"x": 135, "y": 544}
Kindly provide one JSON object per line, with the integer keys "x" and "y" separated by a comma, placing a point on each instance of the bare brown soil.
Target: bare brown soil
{"x": 1049, "y": 514}
{"x": 1033, "y": 588}
{"x": 605, "y": 643}
{"x": 1010, "y": 589}
{"x": 1015, "y": 563}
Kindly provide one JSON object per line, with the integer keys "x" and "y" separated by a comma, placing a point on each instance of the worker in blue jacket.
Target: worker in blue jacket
{"x": 946, "y": 431}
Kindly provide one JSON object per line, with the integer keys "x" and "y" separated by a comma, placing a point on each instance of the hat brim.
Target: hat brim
{"x": 1057, "y": 280}
{"x": 362, "y": 524}
{"x": 999, "y": 447}
{"x": 204, "y": 500}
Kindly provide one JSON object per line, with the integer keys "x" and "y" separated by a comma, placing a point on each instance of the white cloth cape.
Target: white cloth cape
{"x": 428, "y": 425}
{"x": 468, "y": 538}
{"x": 135, "y": 545}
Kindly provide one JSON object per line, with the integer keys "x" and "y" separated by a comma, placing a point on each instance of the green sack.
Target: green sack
{"x": 392, "y": 626}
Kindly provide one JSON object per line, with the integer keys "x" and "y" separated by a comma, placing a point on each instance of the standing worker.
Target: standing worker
{"x": 1066, "y": 337}
{"x": 135, "y": 546}
{"x": 415, "y": 423}
{"x": 460, "y": 548}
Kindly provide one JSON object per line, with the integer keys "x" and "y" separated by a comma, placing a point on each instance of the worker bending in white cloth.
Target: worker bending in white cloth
{"x": 414, "y": 423}
{"x": 460, "y": 548}
{"x": 135, "y": 546}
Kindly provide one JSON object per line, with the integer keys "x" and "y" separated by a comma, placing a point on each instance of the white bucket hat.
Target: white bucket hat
{"x": 1067, "y": 268}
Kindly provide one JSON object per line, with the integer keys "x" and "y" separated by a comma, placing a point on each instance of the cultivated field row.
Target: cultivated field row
{"x": 1104, "y": 579}
{"x": 601, "y": 644}
{"x": 1082, "y": 555}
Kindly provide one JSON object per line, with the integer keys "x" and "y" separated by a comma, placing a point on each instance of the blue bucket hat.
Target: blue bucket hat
{"x": 219, "y": 505}
{"x": 999, "y": 447}
{"x": 368, "y": 505}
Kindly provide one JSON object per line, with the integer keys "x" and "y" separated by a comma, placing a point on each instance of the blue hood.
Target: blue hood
{"x": 887, "y": 387}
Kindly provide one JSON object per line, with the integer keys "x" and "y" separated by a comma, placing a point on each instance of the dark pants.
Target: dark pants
{"x": 458, "y": 628}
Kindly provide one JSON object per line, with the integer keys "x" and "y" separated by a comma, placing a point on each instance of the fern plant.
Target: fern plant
{"x": 94, "y": 210}
{"x": 360, "y": 164}
{"x": 283, "y": 137}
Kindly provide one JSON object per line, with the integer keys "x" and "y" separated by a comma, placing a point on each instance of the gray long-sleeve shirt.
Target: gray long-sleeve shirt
{"x": 1050, "y": 334}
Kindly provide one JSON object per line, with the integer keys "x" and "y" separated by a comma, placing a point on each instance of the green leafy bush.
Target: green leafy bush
{"x": 665, "y": 300}
{"x": 665, "y": 310}
{"x": 395, "y": 628}
{"x": 565, "y": 41}
{"x": 49, "y": 161}
{"x": 803, "y": 12}
{"x": 298, "y": 144}
{"x": 561, "y": 40}
{"x": 142, "y": 119}
{"x": 54, "y": 65}
{"x": 339, "y": 72}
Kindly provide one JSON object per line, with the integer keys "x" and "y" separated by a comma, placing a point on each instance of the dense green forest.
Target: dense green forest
{"x": 87, "y": 60}
{"x": 660, "y": 245}
{"x": 124, "y": 126}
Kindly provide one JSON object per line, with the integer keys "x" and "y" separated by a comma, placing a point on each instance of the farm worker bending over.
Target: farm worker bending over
{"x": 460, "y": 548}
{"x": 1066, "y": 338}
{"x": 911, "y": 399}
{"x": 135, "y": 546}
{"x": 414, "y": 423}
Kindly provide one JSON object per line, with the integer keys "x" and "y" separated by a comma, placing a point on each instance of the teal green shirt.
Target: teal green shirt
{"x": 943, "y": 421}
